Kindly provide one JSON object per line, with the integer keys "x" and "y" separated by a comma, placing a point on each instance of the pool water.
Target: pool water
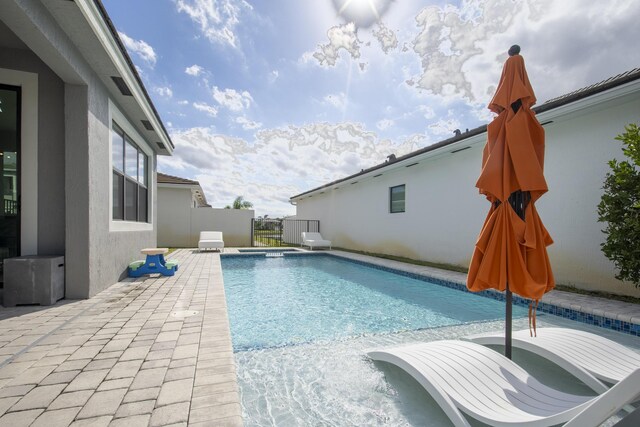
{"x": 275, "y": 302}
{"x": 302, "y": 326}
{"x": 255, "y": 250}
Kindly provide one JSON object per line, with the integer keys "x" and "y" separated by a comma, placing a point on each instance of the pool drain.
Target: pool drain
{"x": 181, "y": 314}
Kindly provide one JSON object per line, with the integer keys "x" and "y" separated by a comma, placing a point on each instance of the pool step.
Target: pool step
{"x": 274, "y": 254}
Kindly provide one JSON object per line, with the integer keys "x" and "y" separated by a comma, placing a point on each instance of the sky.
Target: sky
{"x": 267, "y": 99}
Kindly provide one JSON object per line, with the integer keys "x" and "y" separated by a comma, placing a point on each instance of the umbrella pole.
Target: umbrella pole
{"x": 508, "y": 319}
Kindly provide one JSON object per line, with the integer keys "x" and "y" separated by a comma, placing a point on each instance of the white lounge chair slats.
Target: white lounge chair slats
{"x": 467, "y": 377}
{"x": 575, "y": 351}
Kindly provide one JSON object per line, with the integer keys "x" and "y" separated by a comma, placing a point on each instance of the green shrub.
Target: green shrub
{"x": 620, "y": 209}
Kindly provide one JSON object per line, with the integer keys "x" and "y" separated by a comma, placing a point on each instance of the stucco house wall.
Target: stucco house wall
{"x": 67, "y": 53}
{"x": 180, "y": 224}
{"x": 174, "y": 219}
{"x": 444, "y": 212}
{"x": 50, "y": 127}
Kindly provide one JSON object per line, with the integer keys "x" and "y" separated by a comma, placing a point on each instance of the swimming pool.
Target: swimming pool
{"x": 275, "y": 302}
{"x": 293, "y": 371}
{"x": 267, "y": 250}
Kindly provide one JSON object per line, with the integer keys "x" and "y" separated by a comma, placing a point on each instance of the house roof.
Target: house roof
{"x": 171, "y": 181}
{"x": 76, "y": 40}
{"x": 551, "y": 104}
{"x": 132, "y": 67}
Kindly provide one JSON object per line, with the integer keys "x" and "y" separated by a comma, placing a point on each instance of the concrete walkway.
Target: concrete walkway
{"x": 154, "y": 351}
{"x": 149, "y": 352}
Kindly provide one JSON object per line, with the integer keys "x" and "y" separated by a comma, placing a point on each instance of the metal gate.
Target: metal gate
{"x": 280, "y": 232}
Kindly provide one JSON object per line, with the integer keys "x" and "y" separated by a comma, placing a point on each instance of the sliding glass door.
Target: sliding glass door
{"x": 10, "y": 173}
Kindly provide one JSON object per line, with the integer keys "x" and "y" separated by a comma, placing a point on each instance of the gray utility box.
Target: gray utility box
{"x": 33, "y": 279}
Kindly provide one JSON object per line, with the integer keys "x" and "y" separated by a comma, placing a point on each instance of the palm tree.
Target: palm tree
{"x": 240, "y": 203}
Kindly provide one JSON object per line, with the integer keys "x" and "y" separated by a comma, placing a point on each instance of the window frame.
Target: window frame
{"x": 404, "y": 200}
{"x": 117, "y": 121}
{"x": 127, "y": 179}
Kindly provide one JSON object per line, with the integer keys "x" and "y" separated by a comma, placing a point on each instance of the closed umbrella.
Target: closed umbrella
{"x": 510, "y": 254}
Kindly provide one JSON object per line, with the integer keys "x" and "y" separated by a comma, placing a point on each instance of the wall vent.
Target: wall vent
{"x": 460, "y": 149}
{"x": 412, "y": 164}
{"x": 161, "y": 145}
{"x": 147, "y": 124}
{"x": 119, "y": 82}
{"x": 375, "y": 176}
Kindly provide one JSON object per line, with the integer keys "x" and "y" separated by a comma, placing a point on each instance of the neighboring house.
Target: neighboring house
{"x": 80, "y": 137}
{"x": 425, "y": 205}
{"x": 172, "y": 189}
{"x": 183, "y": 213}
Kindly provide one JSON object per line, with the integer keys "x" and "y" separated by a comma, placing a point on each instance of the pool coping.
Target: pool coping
{"x": 609, "y": 314}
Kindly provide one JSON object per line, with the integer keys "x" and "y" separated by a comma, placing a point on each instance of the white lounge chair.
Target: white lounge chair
{"x": 211, "y": 240}
{"x": 314, "y": 240}
{"x": 589, "y": 357}
{"x": 464, "y": 377}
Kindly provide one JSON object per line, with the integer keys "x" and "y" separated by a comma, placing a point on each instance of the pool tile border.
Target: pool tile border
{"x": 600, "y": 319}
{"x": 545, "y": 307}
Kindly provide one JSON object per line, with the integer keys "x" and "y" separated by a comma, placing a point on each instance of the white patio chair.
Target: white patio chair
{"x": 464, "y": 377}
{"x": 211, "y": 240}
{"x": 583, "y": 354}
{"x": 314, "y": 240}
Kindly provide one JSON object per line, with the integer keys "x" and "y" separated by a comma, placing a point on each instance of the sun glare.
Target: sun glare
{"x": 363, "y": 13}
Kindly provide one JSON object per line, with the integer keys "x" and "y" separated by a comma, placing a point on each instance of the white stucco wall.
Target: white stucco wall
{"x": 444, "y": 212}
{"x": 179, "y": 224}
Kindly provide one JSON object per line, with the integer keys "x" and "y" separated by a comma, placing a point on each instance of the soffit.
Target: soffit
{"x": 97, "y": 47}
{"x": 9, "y": 40}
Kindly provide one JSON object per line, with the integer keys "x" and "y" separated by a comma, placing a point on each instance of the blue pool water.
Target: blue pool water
{"x": 279, "y": 250}
{"x": 276, "y": 302}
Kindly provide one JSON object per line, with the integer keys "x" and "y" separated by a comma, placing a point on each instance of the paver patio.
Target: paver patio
{"x": 152, "y": 351}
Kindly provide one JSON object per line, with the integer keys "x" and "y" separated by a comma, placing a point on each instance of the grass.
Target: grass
{"x": 451, "y": 267}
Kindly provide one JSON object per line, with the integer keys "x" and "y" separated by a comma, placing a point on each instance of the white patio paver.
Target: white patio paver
{"x": 136, "y": 354}
{"x": 153, "y": 351}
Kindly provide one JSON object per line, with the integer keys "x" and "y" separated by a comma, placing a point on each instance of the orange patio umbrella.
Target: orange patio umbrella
{"x": 511, "y": 252}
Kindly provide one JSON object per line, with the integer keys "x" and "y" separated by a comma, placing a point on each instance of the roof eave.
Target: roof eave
{"x": 550, "y": 110}
{"x": 103, "y": 28}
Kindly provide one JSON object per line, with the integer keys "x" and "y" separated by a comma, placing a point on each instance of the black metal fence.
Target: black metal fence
{"x": 280, "y": 232}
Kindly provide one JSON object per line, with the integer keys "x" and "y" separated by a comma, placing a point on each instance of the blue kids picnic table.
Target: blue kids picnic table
{"x": 155, "y": 263}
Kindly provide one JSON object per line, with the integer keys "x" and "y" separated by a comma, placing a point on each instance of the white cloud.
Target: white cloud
{"x": 163, "y": 91}
{"x": 183, "y": 102}
{"x": 279, "y": 163}
{"x": 139, "y": 47}
{"x": 341, "y": 37}
{"x": 385, "y": 124}
{"x": 427, "y": 111}
{"x": 195, "y": 70}
{"x": 206, "y": 108}
{"x": 232, "y": 99}
{"x": 307, "y": 58}
{"x": 217, "y": 19}
{"x": 444, "y": 127}
{"x": 248, "y": 124}
{"x": 337, "y": 100}
{"x": 386, "y": 37}
{"x": 462, "y": 48}
{"x": 273, "y": 76}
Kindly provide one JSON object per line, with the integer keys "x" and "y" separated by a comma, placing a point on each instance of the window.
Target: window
{"x": 130, "y": 189}
{"x": 396, "y": 199}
